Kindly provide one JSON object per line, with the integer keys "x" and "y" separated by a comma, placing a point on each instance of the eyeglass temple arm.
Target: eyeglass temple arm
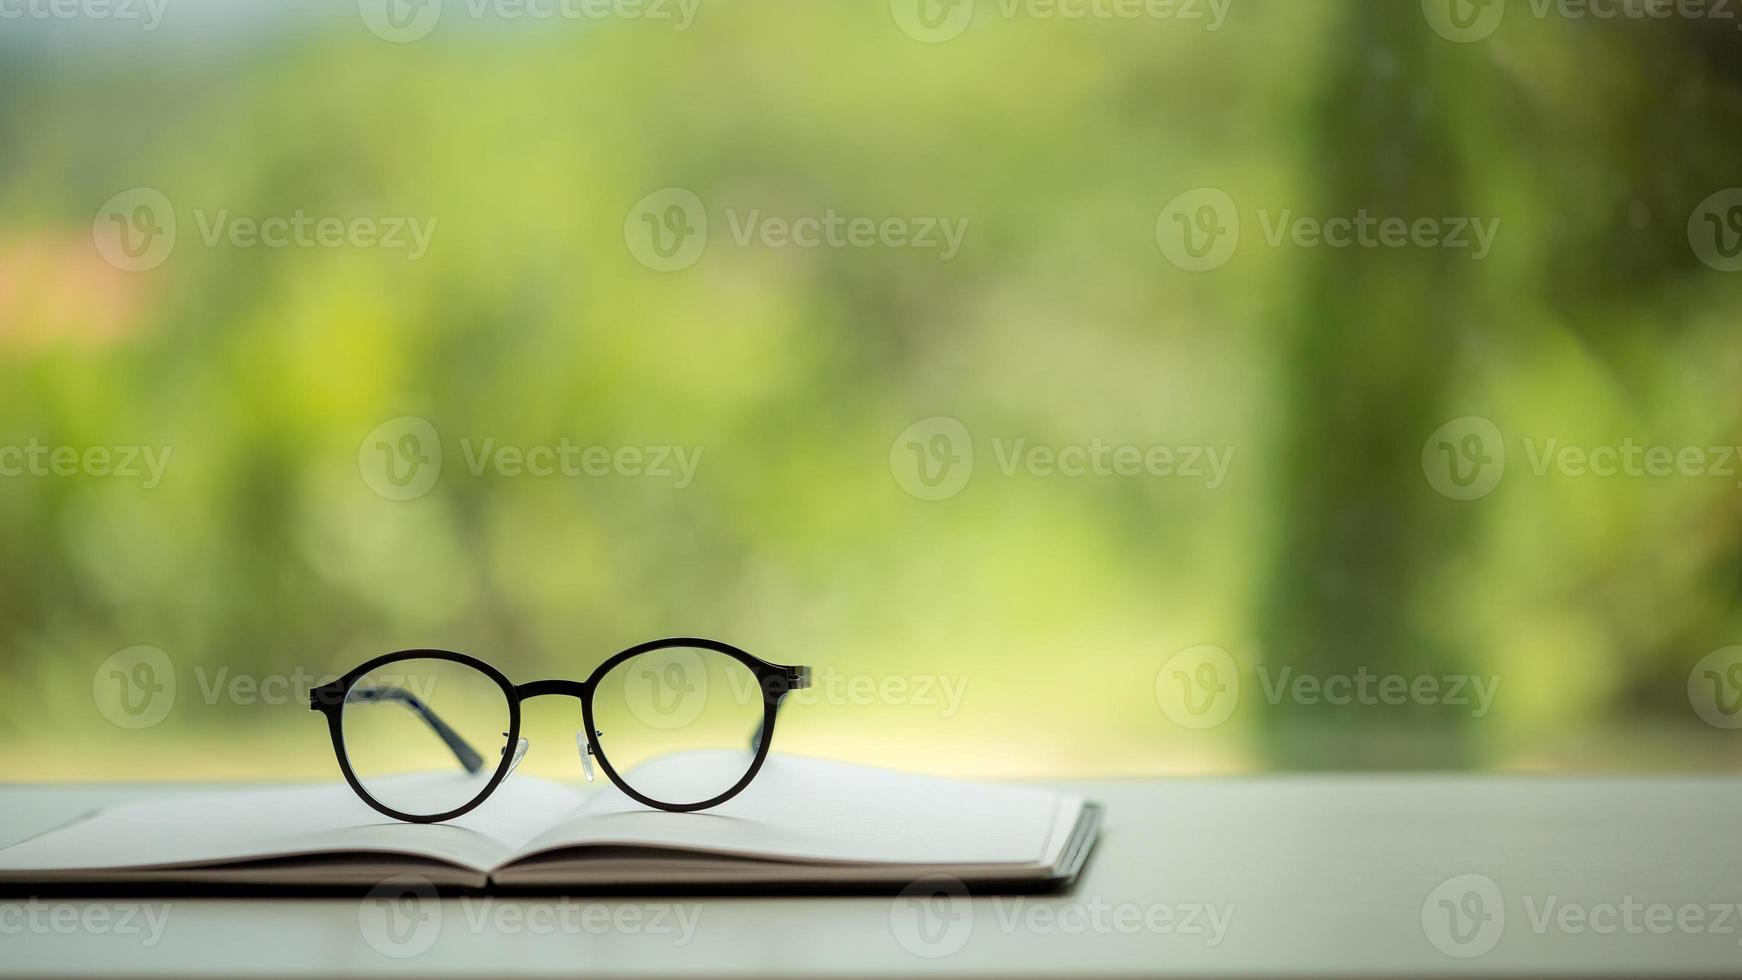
{"x": 463, "y": 751}
{"x": 797, "y": 679}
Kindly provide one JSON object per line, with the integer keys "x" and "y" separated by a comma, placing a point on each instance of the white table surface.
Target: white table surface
{"x": 1310, "y": 875}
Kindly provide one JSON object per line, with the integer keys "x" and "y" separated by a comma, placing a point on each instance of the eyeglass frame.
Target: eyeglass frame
{"x": 775, "y": 680}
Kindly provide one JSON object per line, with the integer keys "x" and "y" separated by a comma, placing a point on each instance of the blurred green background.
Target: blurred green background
{"x": 1029, "y": 624}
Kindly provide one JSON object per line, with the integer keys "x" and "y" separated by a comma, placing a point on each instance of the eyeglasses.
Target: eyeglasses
{"x": 680, "y": 724}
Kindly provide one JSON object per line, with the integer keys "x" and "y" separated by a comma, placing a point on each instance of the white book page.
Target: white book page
{"x": 194, "y": 829}
{"x": 800, "y": 809}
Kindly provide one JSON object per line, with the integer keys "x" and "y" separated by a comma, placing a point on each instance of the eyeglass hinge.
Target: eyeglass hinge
{"x": 322, "y": 698}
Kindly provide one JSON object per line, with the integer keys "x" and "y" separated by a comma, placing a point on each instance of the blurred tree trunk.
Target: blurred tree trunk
{"x": 1368, "y": 350}
{"x": 1381, "y": 338}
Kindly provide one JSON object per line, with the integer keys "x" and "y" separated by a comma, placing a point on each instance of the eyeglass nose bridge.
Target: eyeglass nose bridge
{"x": 574, "y": 689}
{"x": 539, "y": 689}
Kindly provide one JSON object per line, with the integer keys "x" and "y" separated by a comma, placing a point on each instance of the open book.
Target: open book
{"x": 803, "y": 822}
